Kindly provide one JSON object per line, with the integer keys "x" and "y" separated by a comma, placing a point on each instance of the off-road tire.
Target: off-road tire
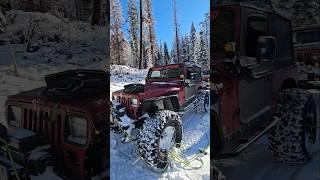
{"x": 287, "y": 139}
{"x": 202, "y": 101}
{"x": 148, "y": 143}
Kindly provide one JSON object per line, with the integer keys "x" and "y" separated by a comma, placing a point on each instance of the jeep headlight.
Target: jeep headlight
{"x": 134, "y": 102}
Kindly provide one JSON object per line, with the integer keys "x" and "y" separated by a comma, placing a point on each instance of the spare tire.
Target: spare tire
{"x": 134, "y": 88}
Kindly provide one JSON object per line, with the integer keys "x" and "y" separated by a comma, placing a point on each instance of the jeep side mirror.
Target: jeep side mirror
{"x": 266, "y": 48}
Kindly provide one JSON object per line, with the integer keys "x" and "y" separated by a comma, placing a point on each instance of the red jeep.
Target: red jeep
{"x": 307, "y": 44}
{"x": 254, "y": 85}
{"x": 61, "y": 126}
{"x": 307, "y": 51}
{"x": 152, "y": 107}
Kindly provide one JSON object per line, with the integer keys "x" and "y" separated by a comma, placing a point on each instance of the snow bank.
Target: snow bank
{"x": 52, "y": 41}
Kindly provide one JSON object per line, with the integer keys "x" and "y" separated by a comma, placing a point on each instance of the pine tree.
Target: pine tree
{"x": 204, "y": 56}
{"x": 117, "y": 37}
{"x": 159, "y": 56}
{"x": 166, "y": 56}
{"x": 185, "y": 43}
{"x": 133, "y": 32}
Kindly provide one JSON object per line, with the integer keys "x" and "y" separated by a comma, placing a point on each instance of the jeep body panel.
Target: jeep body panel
{"x": 243, "y": 105}
{"x": 48, "y": 119}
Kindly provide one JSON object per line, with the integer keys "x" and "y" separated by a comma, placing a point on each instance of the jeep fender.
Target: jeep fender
{"x": 170, "y": 101}
{"x": 289, "y": 83}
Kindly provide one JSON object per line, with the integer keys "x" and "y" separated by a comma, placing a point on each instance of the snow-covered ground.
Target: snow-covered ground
{"x": 256, "y": 163}
{"x": 196, "y": 135}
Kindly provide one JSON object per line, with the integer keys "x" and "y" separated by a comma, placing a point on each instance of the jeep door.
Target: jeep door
{"x": 255, "y": 81}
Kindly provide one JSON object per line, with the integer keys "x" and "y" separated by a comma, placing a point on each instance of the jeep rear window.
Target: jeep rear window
{"x": 76, "y": 130}
{"x": 165, "y": 73}
{"x": 223, "y": 28}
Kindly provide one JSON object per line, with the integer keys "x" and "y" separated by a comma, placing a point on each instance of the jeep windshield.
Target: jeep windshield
{"x": 307, "y": 36}
{"x": 164, "y": 73}
{"x": 223, "y": 28}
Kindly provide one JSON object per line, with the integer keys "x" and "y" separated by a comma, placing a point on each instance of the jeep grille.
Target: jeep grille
{"x": 305, "y": 57}
{"x": 39, "y": 122}
{"x": 125, "y": 101}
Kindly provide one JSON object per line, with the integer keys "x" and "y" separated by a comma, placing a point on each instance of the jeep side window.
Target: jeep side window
{"x": 256, "y": 26}
{"x": 165, "y": 73}
{"x": 76, "y": 130}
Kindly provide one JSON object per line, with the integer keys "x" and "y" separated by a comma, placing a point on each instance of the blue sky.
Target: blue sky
{"x": 188, "y": 11}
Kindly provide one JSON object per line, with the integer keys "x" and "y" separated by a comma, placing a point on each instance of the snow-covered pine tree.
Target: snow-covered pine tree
{"x": 193, "y": 38}
{"x": 133, "y": 32}
{"x": 160, "y": 60}
{"x": 159, "y": 57}
{"x": 116, "y": 34}
{"x": 166, "y": 56}
{"x": 184, "y": 49}
{"x": 203, "y": 58}
{"x": 173, "y": 53}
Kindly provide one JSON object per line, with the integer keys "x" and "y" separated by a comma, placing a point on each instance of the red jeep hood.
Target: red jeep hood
{"x": 153, "y": 90}
{"x": 93, "y": 105}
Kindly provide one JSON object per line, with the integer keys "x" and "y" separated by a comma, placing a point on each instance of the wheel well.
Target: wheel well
{"x": 289, "y": 83}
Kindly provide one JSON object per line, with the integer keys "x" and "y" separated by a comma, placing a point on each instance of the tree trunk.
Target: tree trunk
{"x": 96, "y": 12}
{"x": 176, "y": 29}
{"x": 141, "y": 26}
